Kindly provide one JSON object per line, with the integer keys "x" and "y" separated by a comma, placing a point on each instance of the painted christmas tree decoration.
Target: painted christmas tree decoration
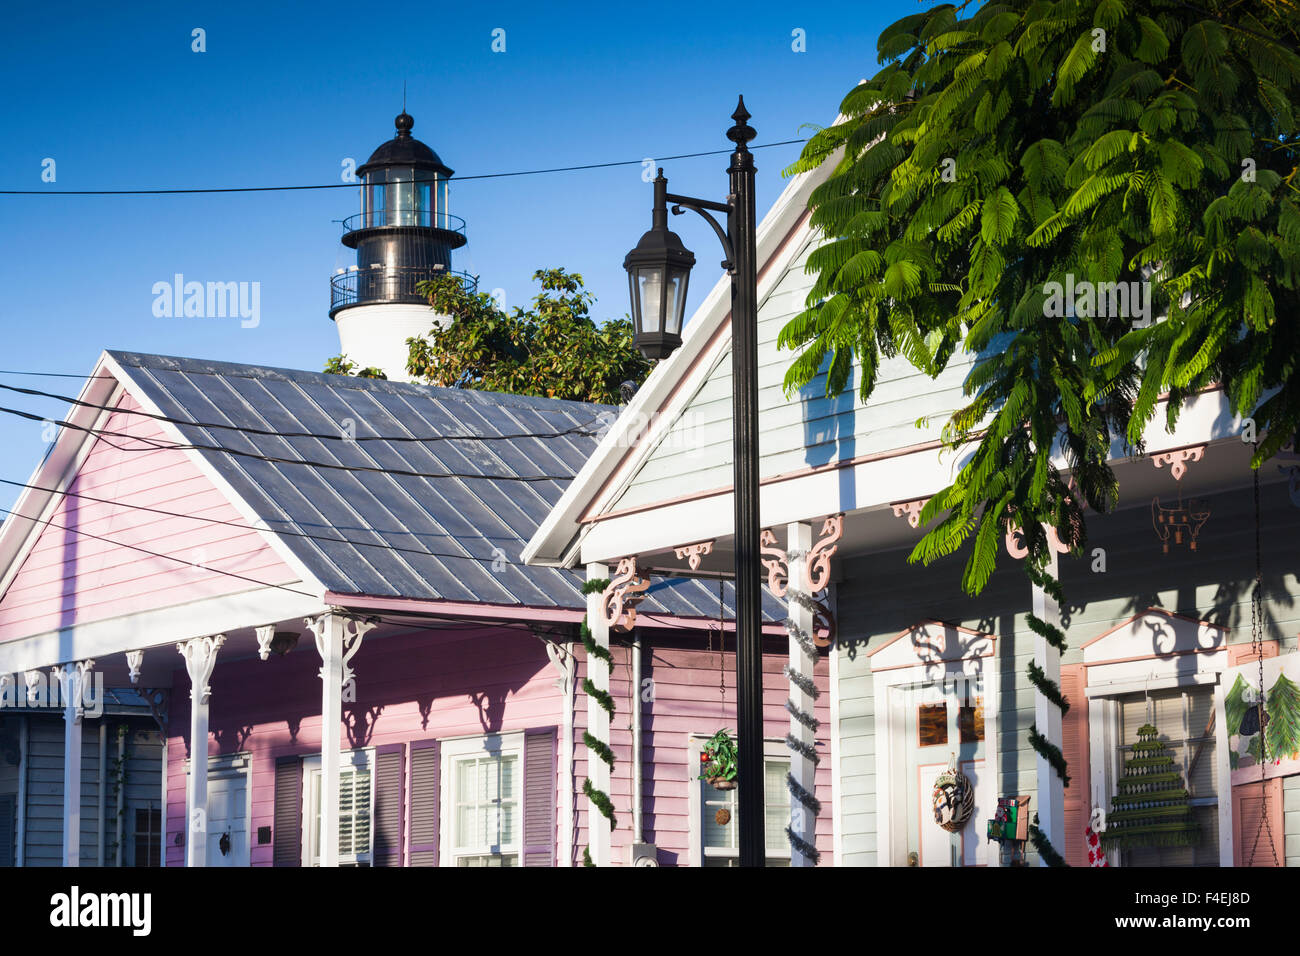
{"x": 1151, "y": 807}
{"x": 1282, "y": 733}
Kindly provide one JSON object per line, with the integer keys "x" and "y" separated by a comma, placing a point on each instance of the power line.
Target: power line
{"x": 354, "y": 185}
{"x": 154, "y": 445}
{"x": 249, "y": 430}
{"x": 247, "y": 527}
{"x": 49, "y": 523}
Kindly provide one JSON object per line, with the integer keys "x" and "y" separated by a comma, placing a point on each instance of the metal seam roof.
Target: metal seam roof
{"x": 460, "y": 522}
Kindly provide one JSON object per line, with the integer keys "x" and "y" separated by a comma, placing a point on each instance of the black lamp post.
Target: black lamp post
{"x": 658, "y": 269}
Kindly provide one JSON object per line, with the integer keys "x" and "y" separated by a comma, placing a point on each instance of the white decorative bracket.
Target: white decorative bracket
{"x": 200, "y": 655}
{"x": 1178, "y": 459}
{"x": 561, "y": 659}
{"x": 911, "y": 510}
{"x": 134, "y": 661}
{"x": 354, "y": 629}
{"x": 265, "y": 634}
{"x": 33, "y": 679}
{"x": 72, "y": 682}
{"x": 692, "y": 553}
{"x": 625, "y": 591}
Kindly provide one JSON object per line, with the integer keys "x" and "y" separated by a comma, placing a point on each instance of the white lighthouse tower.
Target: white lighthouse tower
{"x": 403, "y": 235}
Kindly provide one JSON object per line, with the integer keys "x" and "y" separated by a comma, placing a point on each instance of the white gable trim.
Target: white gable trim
{"x": 665, "y": 395}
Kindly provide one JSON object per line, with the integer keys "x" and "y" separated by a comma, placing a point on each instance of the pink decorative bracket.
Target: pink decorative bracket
{"x": 817, "y": 570}
{"x": 625, "y": 591}
{"x": 1178, "y": 459}
{"x": 910, "y": 510}
{"x": 692, "y": 553}
{"x": 775, "y": 562}
{"x": 1017, "y": 549}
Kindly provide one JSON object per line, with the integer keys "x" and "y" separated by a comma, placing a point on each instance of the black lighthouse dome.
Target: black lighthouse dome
{"x": 405, "y": 232}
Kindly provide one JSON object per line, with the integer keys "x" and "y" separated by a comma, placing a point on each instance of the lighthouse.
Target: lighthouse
{"x": 403, "y": 235}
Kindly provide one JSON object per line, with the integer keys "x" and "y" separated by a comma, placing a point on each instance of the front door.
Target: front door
{"x": 942, "y": 720}
{"x": 227, "y": 816}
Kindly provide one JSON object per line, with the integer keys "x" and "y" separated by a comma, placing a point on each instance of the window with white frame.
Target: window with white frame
{"x": 482, "y": 801}
{"x": 356, "y": 802}
{"x": 718, "y": 842}
{"x": 1184, "y": 717}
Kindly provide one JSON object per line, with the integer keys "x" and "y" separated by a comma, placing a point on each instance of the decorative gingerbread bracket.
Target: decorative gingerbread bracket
{"x": 1178, "y": 459}
{"x": 692, "y": 553}
{"x": 1017, "y": 549}
{"x": 817, "y": 570}
{"x": 911, "y": 510}
{"x": 625, "y": 591}
{"x": 775, "y": 562}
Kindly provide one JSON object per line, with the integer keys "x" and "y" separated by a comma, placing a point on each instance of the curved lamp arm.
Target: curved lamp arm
{"x": 701, "y": 206}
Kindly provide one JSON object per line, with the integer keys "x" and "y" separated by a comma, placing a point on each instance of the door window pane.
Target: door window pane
{"x": 932, "y": 724}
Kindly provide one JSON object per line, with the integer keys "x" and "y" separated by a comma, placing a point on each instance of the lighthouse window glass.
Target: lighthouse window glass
{"x": 401, "y": 197}
{"x": 442, "y": 203}
{"x": 375, "y": 198}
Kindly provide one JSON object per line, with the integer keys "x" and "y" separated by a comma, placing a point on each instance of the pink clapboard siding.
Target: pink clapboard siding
{"x": 686, "y": 702}
{"x": 69, "y": 578}
{"x": 410, "y": 687}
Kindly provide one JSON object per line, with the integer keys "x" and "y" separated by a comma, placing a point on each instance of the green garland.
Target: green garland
{"x": 1055, "y": 636}
{"x": 605, "y": 701}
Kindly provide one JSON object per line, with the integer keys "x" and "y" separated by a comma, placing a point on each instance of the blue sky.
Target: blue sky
{"x": 118, "y": 99}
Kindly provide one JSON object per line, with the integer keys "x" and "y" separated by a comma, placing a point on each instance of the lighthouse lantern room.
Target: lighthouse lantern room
{"x": 403, "y": 235}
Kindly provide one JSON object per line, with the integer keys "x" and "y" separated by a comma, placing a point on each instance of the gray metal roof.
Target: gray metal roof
{"x": 428, "y": 538}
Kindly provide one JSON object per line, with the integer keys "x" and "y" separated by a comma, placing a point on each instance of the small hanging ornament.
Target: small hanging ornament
{"x": 953, "y": 799}
{"x": 723, "y": 817}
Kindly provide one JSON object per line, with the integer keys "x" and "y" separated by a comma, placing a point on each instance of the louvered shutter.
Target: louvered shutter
{"x": 354, "y": 813}
{"x": 8, "y": 822}
{"x": 422, "y": 849}
{"x": 287, "y": 838}
{"x": 1074, "y": 746}
{"x": 539, "y": 797}
{"x": 390, "y": 773}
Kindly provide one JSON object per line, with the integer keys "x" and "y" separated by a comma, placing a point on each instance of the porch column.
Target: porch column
{"x": 1047, "y": 717}
{"x": 71, "y": 680}
{"x": 598, "y": 831}
{"x": 338, "y": 638}
{"x": 200, "y": 656}
{"x": 802, "y": 767}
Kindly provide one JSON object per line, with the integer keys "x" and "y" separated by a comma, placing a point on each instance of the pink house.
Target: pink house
{"x": 376, "y": 677}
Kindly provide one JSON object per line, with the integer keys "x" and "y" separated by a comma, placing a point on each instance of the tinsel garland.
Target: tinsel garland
{"x": 1044, "y": 579}
{"x": 805, "y": 684}
{"x": 599, "y": 799}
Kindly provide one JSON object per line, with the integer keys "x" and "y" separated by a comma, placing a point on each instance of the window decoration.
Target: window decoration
{"x": 1151, "y": 806}
{"x": 718, "y": 762}
{"x": 716, "y": 821}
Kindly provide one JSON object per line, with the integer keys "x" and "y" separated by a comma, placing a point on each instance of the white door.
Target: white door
{"x": 227, "y": 818}
{"x": 942, "y": 720}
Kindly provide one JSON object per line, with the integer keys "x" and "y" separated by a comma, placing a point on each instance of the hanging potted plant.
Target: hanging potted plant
{"x": 718, "y": 761}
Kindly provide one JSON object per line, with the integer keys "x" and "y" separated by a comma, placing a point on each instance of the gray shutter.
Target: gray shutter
{"x": 390, "y": 771}
{"x": 423, "y": 847}
{"x": 539, "y": 797}
{"x": 8, "y": 821}
{"x": 287, "y": 838}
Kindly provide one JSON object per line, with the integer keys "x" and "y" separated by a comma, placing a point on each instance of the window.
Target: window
{"x": 719, "y": 842}
{"x": 1184, "y": 718}
{"x": 148, "y": 837}
{"x": 483, "y": 794}
{"x": 356, "y": 798}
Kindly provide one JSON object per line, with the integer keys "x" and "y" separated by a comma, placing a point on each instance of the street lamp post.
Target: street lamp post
{"x": 658, "y": 271}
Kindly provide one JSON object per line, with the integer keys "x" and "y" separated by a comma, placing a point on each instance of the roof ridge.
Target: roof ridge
{"x": 153, "y": 361}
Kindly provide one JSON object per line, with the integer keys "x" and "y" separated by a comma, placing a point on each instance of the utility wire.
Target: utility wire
{"x": 155, "y": 445}
{"x": 49, "y": 523}
{"x": 247, "y": 527}
{"x": 267, "y": 189}
{"x": 578, "y": 429}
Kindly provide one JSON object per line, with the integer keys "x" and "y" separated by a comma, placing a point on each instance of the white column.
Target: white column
{"x": 598, "y": 832}
{"x": 337, "y": 639}
{"x": 562, "y": 660}
{"x": 200, "y": 658}
{"x": 1047, "y": 717}
{"x": 802, "y": 823}
{"x": 71, "y": 681}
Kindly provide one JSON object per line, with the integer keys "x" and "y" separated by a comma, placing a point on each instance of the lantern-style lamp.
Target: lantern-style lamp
{"x": 658, "y": 270}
